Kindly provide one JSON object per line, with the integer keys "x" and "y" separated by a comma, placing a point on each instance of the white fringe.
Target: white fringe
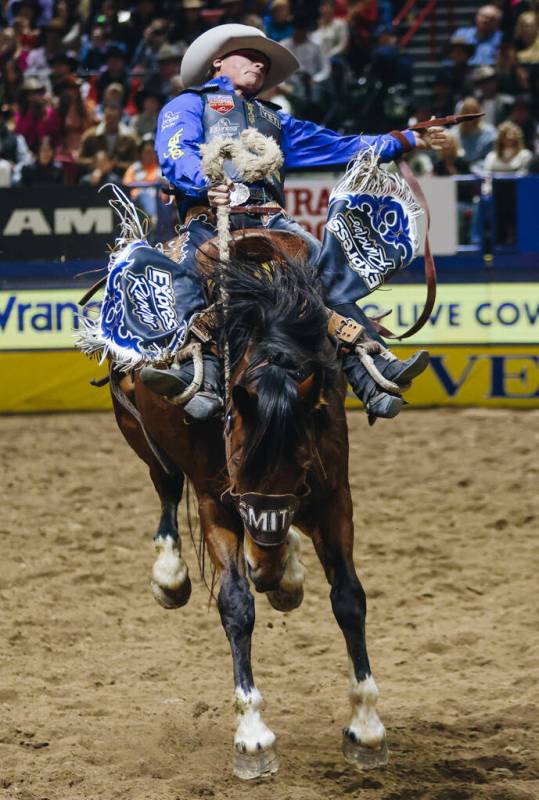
{"x": 89, "y": 338}
{"x": 365, "y": 175}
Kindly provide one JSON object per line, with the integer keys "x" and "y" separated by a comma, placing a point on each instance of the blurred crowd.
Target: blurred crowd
{"x": 82, "y": 83}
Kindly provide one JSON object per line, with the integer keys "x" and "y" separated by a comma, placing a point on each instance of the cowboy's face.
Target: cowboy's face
{"x": 247, "y": 69}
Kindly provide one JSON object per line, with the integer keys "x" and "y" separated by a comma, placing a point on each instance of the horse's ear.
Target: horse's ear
{"x": 244, "y": 402}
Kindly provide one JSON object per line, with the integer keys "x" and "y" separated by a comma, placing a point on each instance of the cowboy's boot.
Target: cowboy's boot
{"x": 175, "y": 379}
{"x": 400, "y": 372}
{"x": 377, "y": 402}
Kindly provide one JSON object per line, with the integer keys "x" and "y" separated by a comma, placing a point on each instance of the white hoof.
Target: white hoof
{"x": 365, "y": 726}
{"x": 170, "y": 583}
{"x": 252, "y": 733}
{"x": 249, "y": 766}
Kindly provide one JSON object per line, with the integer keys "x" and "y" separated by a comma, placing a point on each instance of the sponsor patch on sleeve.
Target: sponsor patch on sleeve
{"x": 174, "y": 150}
{"x": 169, "y": 119}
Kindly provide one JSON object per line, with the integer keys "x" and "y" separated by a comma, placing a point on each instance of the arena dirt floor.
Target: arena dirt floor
{"x": 104, "y": 695}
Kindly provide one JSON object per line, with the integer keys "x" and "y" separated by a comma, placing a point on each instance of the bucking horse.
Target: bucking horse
{"x": 272, "y": 468}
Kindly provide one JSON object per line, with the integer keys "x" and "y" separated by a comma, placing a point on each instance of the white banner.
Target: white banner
{"x": 307, "y": 198}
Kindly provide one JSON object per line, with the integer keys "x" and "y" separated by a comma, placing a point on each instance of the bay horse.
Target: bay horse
{"x": 280, "y": 456}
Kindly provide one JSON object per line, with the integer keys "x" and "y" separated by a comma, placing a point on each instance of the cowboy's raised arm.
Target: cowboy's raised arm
{"x": 306, "y": 144}
{"x": 179, "y": 134}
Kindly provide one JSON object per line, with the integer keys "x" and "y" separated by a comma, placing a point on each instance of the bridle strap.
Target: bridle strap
{"x": 430, "y": 269}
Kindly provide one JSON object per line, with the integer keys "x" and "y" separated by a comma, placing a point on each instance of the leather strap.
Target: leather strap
{"x": 92, "y": 290}
{"x": 345, "y": 329}
{"x": 400, "y": 137}
{"x": 430, "y": 269}
{"x": 275, "y": 208}
{"x": 130, "y": 407}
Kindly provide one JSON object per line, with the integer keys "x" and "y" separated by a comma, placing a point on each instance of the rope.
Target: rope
{"x": 255, "y": 157}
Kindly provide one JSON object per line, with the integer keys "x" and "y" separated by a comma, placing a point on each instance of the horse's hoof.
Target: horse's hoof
{"x": 285, "y": 601}
{"x": 364, "y": 757}
{"x": 172, "y": 598}
{"x": 249, "y": 766}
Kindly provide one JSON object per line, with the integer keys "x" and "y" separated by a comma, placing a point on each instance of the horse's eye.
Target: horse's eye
{"x": 228, "y": 423}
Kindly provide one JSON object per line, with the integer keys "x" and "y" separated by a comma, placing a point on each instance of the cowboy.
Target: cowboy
{"x": 225, "y": 69}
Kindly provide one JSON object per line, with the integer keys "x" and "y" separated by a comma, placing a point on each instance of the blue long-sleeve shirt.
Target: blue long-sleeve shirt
{"x": 180, "y": 131}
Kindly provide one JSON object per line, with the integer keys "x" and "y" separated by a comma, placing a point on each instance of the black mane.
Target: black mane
{"x": 275, "y": 308}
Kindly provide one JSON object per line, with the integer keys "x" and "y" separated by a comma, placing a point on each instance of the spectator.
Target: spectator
{"x": 522, "y": 115}
{"x": 145, "y": 56}
{"x": 63, "y": 67}
{"x": 495, "y": 104}
{"x": 190, "y": 23}
{"x": 507, "y": 66}
{"x": 11, "y": 83}
{"x": 77, "y": 117}
{"x": 389, "y": 64}
{"x": 94, "y": 50}
{"x": 50, "y": 45}
{"x": 25, "y": 39}
{"x": 108, "y": 19}
{"x": 111, "y": 137}
{"x": 115, "y": 71}
{"x": 450, "y": 160}
{"x": 485, "y": 35}
{"x": 103, "y": 170}
{"x": 454, "y": 70}
{"x": 163, "y": 83}
{"x": 312, "y": 60}
{"x": 147, "y": 170}
{"x": 14, "y": 152}
{"x": 44, "y": 170}
{"x": 36, "y": 118}
{"x": 527, "y": 35}
{"x": 234, "y": 12}
{"x": 149, "y": 104}
{"x": 311, "y": 89}
{"x": 68, "y": 15}
{"x": 131, "y": 31}
{"x": 278, "y": 23}
{"x": 37, "y": 12}
{"x": 475, "y": 137}
{"x": 332, "y": 32}
{"x": 510, "y": 153}
{"x": 362, "y": 19}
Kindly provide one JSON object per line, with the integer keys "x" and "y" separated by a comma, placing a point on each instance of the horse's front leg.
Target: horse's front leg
{"x": 364, "y": 742}
{"x": 254, "y": 743}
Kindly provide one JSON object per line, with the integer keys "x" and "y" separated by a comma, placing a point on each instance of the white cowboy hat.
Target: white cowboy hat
{"x": 224, "y": 39}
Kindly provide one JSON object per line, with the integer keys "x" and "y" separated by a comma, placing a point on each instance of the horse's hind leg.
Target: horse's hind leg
{"x": 364, "y": 738}
{"x": 171, "y": 585}
{"x": 254, "y": 742}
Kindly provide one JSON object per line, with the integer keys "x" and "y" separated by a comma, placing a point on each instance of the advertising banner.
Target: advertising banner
{"x": 56, "y": 222}
{"x": 497, "y": 313}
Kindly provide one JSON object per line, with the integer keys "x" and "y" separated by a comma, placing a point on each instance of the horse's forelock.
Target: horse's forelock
{"x": 275, "y": 315}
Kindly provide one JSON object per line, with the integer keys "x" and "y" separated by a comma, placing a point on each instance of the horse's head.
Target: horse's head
{"x": 276, "y": 326}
